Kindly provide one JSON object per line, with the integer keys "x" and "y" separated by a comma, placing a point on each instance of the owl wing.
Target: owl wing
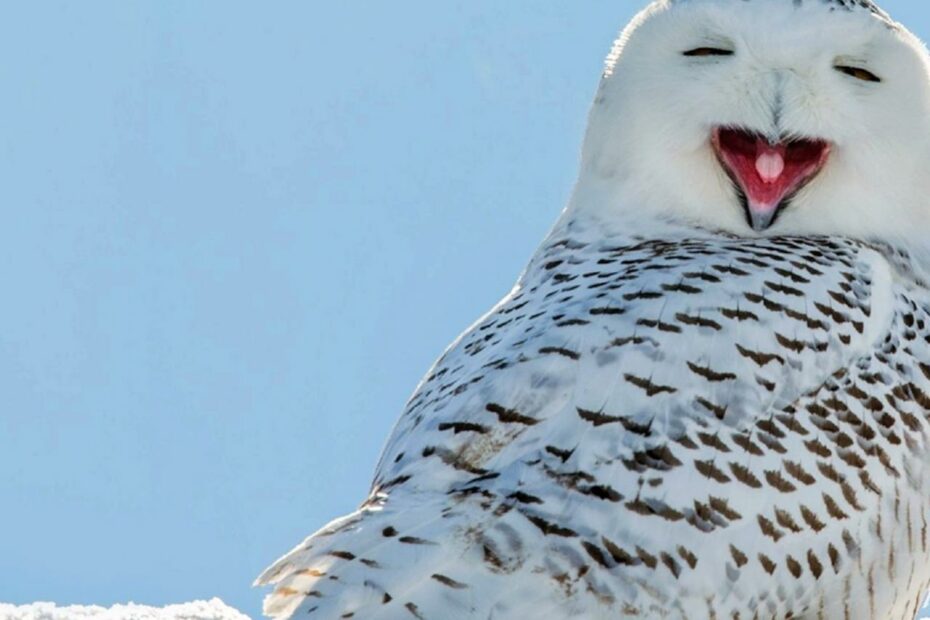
{"x": 607, "y": 393}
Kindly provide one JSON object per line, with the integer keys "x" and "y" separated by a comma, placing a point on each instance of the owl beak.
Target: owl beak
{"x": 767, "y": 174}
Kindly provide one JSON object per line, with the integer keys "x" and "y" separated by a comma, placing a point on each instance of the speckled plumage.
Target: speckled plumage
{"x": 645, "y": 421}
{"x": 663, "y": 419}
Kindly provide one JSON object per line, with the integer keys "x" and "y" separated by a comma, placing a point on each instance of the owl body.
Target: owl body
{"x": 708, "y": 395}
{"x": 658, "y": 427}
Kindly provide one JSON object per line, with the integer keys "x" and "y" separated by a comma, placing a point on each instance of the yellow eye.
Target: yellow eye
{"x": 858, "y": 73}
{"x": 708, "y": 51}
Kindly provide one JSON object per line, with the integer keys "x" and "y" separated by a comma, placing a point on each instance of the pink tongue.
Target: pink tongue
{"x": 770, "y": 166}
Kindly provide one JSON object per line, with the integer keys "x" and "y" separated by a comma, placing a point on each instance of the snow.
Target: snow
{"x": 214, "y": 609}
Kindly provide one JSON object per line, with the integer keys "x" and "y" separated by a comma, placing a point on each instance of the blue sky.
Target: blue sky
{"x": 234, "y": 236}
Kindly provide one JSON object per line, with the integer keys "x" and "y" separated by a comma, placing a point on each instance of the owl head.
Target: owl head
{"x": 763, "y": 117}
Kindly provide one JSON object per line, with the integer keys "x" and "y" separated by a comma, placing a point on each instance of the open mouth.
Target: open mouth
{"x": 768, "y": 175}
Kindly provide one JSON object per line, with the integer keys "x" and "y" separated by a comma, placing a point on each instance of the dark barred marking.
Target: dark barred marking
{"x": 811, "y": 519}
{"x": 449, "y": 582}
{"x": 654, "y": 508}
{"x": 463, "y": 427}
{"x": 648, "y": 386}
{"x": 525, "y": 498}
{"x": 696, "y": 321}
{"x": 549, "y": 528}
{"x": 744, "y": 475}
{"x": 688, "y": 556}
{"x": 778, "y": 482}
{"x": 600, "y": 419}
{"x": 562, "y": 455}
{"x": 510, "y": 416}
{"x": 739, "y": 315}
{"x": 719, "y": 411}
{"x": 785, "y": 520}
{"x": 596, "y": 553}
{"x": 710, "y": 470}
{"x": 572, "y": 355}
{"x": 738, "y": 556}
{"x": 760, "y": 358}
{"x": 768, "y": 528}
{"x": 710, "y": 374}
{"x": 659, "y": 325}
{"x": 647, "y": 558}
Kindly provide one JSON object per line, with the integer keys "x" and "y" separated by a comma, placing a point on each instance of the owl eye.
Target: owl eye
{"x": 708, "y": 51}
{"x": 858, "y": 73}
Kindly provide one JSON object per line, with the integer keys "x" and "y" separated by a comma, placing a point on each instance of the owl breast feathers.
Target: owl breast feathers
{"x": 687, "y": 427}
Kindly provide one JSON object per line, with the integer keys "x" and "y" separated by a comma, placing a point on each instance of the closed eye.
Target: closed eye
{"x": 858, "y": 73}
{"x": 708, "y": 51}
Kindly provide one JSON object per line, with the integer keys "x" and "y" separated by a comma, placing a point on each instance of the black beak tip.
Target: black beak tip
{"x": 758, "y": 220}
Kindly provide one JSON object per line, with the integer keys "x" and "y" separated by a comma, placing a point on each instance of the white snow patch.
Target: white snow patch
{"x": 214, "y": 609}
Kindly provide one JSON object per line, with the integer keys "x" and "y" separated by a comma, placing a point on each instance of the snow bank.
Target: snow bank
{"x": 214, "y": 609}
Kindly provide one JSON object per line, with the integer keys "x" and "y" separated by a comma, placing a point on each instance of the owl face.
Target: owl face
{"x": 763, "y": 117}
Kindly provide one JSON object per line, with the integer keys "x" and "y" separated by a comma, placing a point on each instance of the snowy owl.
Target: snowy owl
{"x": 708, "y": 395}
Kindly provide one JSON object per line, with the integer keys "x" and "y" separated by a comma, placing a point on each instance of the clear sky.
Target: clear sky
{"x": 233, "y": 237}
